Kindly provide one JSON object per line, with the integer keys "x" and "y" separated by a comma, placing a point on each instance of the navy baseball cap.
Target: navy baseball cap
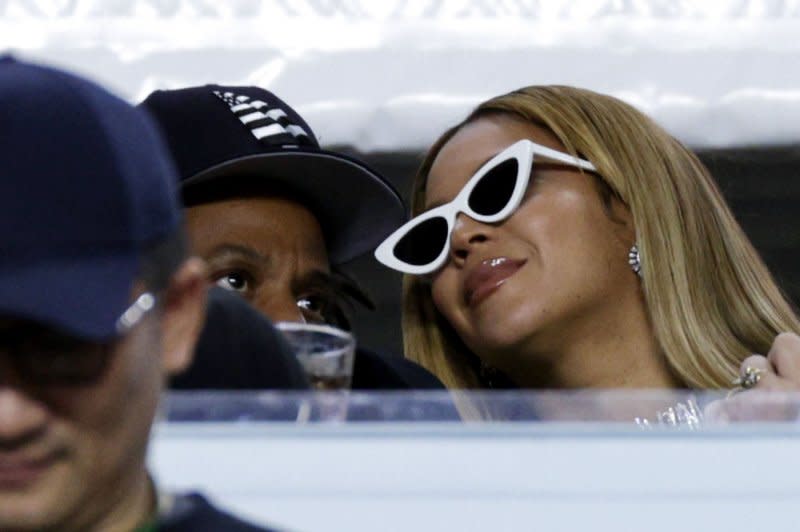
{"x": 86, "y": 184}
{"x": 221, "y": 135}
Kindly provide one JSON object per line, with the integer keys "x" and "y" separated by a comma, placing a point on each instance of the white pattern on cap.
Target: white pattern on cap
{"x": 262, "y": 122}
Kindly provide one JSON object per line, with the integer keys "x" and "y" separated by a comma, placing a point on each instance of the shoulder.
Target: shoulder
{"x": 193, "y": 513}
{"x": 239, "y": 348}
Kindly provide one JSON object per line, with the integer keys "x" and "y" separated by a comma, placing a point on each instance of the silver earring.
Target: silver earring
{"x": 635, "y": 260}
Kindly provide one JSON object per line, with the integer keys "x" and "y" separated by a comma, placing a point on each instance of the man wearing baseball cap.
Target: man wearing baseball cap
{"x": 275, "y": 215}
{"x": 98, "y": 305}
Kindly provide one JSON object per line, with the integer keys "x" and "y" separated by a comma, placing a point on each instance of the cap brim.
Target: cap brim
{"x": 81, "y": 296}
{"x": 356, "y": 208}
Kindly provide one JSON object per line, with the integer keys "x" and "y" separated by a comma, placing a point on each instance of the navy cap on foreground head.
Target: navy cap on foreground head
{"x": 85, "y": 185}
{"x": 221, "y": 135}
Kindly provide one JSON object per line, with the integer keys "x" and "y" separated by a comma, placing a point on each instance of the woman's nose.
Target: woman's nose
{"x": 467, "y": 234}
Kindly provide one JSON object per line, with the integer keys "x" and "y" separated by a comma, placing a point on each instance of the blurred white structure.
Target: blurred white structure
{"x": 391, "y": 75}
{"x": 477, "y": 479}
{"x": 569, "y": 461}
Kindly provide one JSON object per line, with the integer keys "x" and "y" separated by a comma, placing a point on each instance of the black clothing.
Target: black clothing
{"x": 239, "y": 349}
{"x": 193, "y": 513}
{"x": 373, "y": 371}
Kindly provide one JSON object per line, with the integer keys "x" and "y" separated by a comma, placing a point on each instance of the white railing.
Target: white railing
{"x": 565, "y": 462}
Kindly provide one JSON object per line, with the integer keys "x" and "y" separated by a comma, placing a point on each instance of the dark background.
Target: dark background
{"x": 760, "y": 183}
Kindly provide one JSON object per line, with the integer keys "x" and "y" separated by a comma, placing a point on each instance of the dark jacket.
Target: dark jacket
{"x": 193, "y": 513}
{"x": 239, "y": 349}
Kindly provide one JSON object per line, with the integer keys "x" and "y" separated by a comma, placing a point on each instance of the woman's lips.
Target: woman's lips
{"x": 487, "y": 277}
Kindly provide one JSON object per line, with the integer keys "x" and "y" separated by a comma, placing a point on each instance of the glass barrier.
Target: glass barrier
{"x": 646, "y": 409}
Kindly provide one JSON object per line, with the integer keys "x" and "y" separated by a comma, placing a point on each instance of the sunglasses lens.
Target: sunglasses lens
{"x": 493, "y": 192}
{"x": 422, "y": 244}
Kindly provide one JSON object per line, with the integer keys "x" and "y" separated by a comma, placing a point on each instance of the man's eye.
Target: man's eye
{"x": 323, "y": 310}
{"x": 313, "y": 308}
{"x": 234, "y": 281}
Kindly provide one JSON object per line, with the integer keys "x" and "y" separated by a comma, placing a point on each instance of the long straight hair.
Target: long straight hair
{"x": 711, "y": 300}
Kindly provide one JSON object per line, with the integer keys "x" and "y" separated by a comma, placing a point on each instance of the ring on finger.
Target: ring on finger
{"x": 749, "y": 378}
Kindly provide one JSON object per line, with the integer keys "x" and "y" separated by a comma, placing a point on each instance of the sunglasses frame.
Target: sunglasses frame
{"x": 524, "y": 151}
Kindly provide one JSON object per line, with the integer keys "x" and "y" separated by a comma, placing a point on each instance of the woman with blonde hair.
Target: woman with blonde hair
{"x": 561, "y": 239}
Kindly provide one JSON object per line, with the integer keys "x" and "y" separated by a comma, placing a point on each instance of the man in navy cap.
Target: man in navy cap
{"x": 275, "y": 215}
{"x": 98, "y": 305}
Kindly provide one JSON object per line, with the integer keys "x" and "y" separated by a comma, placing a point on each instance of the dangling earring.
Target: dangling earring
{"x": 635, "y": 260}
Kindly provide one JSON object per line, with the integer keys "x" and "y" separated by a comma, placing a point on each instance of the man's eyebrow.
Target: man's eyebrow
{"x": 236, "y": 249}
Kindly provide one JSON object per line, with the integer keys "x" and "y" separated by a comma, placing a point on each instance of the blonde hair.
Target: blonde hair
{"x": 711, "y": 300}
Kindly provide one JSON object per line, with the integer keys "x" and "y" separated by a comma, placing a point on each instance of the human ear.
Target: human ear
{"x": 624, "y": 226}
{"x": 184, "y": 310}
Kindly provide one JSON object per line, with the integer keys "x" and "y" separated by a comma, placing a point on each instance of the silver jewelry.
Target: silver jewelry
{"x": 683, "y": 415}
{"x": 635, "y": 260}
{"x": 749, "y": 379}
{"x": 134, "y": 314}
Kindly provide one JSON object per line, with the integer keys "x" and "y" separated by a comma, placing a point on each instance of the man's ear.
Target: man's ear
{"x": 184, "y": 312}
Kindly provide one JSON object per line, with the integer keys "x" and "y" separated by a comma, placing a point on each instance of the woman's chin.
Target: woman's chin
{"x": 504, "y": 331}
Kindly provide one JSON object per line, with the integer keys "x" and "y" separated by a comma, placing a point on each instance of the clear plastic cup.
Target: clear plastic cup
{"x": 326, "y": 353}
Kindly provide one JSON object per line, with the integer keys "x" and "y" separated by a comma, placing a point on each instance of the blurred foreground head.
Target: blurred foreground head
{"x": 98, "y": 303}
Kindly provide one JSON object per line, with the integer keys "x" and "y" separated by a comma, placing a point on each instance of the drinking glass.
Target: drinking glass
{"x": 326, "y": 353}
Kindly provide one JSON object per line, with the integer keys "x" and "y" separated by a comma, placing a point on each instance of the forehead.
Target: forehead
{"x": 472, "y": 146}
{"x": 265, "y": 224}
